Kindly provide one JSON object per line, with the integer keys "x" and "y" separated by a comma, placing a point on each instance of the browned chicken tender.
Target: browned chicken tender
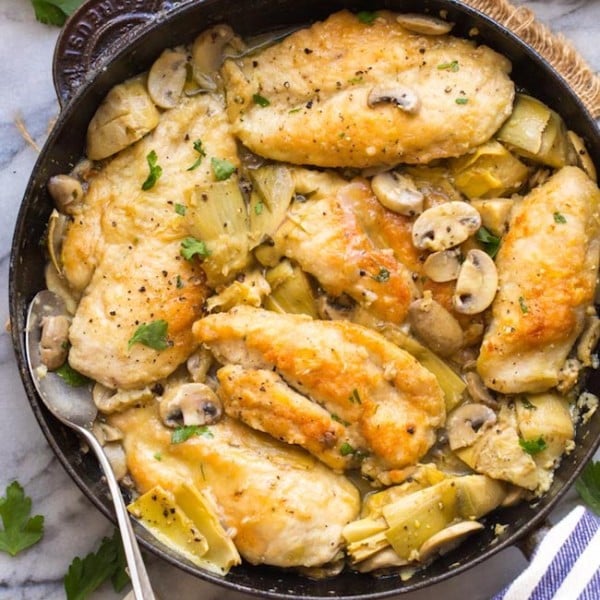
{"x": 334, "y": 90}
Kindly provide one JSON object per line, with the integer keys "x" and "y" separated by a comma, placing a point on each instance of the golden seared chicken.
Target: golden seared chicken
{"x": 547, "y": 270}
{"x": 122, "y": 250}
{"x": 350, "y": 244}
{"x": 388, "y": 404}
{"x": 344, "y": 93}
{"x": 285, "y": 507}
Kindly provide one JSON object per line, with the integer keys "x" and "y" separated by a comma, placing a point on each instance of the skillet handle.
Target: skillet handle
{"x": 93, "y": 33}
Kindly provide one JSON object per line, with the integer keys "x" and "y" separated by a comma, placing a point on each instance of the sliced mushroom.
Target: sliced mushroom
{"x": 381, "y": 560}
{"x": 477, "y": 390}
{"x": 588, "y": 340}
{"x": 447, "y": 539}
{"x": 198, "y": 364}
{"x": 66, "y": 191}
{"x": 446, "y": 225}
{"x": 404, "y": 98}
{"x": 54, "y": 341}
{"x": 467, "y": 423}
{"x": 166, "y": 78}
{"x": 191, "y": 404}
{"x": 108, "y": 401}
{"x": 425, "y": 25}
{"x": 207, "y": 51}
{"x": 442, "y": 266}
{"x": 116, "y": 457}
{"x": 477, "y": 283}
{"x": 583, "y": 156}
{"x": 57, "y": 226}
{"x": 435, "y": 326}
{"x": 398, "y": 193}
{"x": 106, "y": 433}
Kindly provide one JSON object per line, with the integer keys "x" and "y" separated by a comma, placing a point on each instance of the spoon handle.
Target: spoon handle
{"x": 137, "y": 570}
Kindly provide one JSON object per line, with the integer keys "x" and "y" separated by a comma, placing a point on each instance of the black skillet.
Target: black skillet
{"x": 107, "y": 41}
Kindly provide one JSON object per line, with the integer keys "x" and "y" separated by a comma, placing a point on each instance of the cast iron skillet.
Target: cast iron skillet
{"x": 110, "y": 40}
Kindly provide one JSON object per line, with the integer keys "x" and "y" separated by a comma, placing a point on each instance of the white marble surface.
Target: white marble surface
{"x": 73, "y": 526}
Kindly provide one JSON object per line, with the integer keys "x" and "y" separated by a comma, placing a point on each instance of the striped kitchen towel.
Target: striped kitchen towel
{"x": 566, "y": 566}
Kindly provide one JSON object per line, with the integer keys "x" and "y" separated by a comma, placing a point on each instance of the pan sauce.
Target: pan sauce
{"x": 338, "y": 245}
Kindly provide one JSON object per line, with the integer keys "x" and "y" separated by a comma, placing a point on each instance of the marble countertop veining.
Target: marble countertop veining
{"x": 72, "y": 525}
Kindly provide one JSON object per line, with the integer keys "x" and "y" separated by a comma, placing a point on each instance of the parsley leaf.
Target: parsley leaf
{"x": 20, "y": 531}
{"x": 490, "y": 242}
{"x": 222, "y": 168}
{"x": 153, "y": 335}
{"x": 155, "y": 171}
{"x": 382, "y": 276}
{"x": 201, "y": 154}
{"x": 366, "y": 16}
{"x": 191, "y": 247}
{"x": 559, "y": 218}
{"x": 258, "y": 208}
{"x": 85, "y": 576}
{"x": 181, "y": 434}
{"x": 72, "y": 377}
{"x": 180, "y": 209}
{"x": 527, "y": 404}
{"x": 461, "y": 100}
{"x": 588, "y": 486}
{"x": 346, "y": 449}
{"x": 533, "y": 446}
{"x": 54, "y": 12}
{"x": 355, "y": 397}
{"x": 523, "y": 305}
{"x": 449, "y": 66}
{"x": 260, "y": 100}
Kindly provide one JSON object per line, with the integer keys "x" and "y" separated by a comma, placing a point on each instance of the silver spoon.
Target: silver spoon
{"x": 75, "y": 408}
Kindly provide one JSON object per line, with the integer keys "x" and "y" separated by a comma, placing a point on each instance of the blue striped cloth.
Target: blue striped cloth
{"x": 566, "y": 566}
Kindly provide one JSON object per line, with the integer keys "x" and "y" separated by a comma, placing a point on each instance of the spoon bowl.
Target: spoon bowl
{"x": 75, "y": 408}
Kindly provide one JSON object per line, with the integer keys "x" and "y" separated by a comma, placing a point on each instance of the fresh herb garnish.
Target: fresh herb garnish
{"x": 155, "y": 171}
{"x": 20, "y": 531}
{"x": 258, "y": 208}
{"x": 180, "y": 209}
{"x": 157, "y": 456}
{"x": 523, "y": 305}
{"x": 153, "y": 335}
{"x": 338, "y": 419}
{"x": 355, "y": 397}
{"x": 71, "y": 377}
{"x": 527, "y": 404}
{"x": 191, "y": 247}
{"x": 201, "y": 154}
{"x": 588, "y": 486}
{"x": 461, "y": 100}
{"x": 533, "y": 446}
{"x": 260, "y": 100}
{"x": 294, "y": 110}
{"x": 85, "y": 576}
{"x": 559, "y": 218}
{"x": 382, "y": 276}
{"x": 346, "y": 449}
{"x": 366, "y": 16}
{"x": 222, "y": 168}
{"x": 490, "y": 242}
{"x": 355, "y": 80}
{"x": 54, "y": 12}
{"x": 179, "y": 282}
{"x": 449, "y": 66}
{"x": 181, "y": 434}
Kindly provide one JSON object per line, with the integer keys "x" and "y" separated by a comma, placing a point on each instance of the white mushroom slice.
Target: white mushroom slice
{"x": 191, "y": 404}
{"x": 447, "y": 539}
{"x": 207, "y": 51}
{"x": 425, "y": 25}
{"x": 108, "y": 401}
{"x": 117, "y": 459}
{"x": 442, "y": 266}
{"x": 467, "y": 423}
{"x": 404, "y": 98}
{"x": 583, "y": 156}
{"x": 477, "y": 283}
{"x": 435, "y": 326}
{"x": 478, "y": 391}
{"x": 166, "y": 78}
{"x": 198, "y": 365}
{"x": 106, "y": 433}
{"x": 445, "y": 226}
{"x": 54, "y": 341}
{"x": 588, "y": 340}
{"x": 57, "y": 226}
{"x": 66, "y": 191}
{"x": 398, "y": 193}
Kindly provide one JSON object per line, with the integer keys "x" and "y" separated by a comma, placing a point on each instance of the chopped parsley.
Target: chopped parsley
{"x": 54, "y": 12}
{"x": 527, "y": 404}
{"x": 191, "y": 247}
{"x": 382, "y": 276}
{"x": 354, "y": 397}
{"x": 523, "y": 305}
{"x": 201, "y": 154}
{"x": 260, "y": 100}
{"x": 180, "y": 209}
{"x": 71, "y": 377}
{"x": 294, "y": 110}
{"x": 258, "y": 208}
{"x": 155, "y": 171}
{"x": 346, "y": 449}
{"x": 490, "y": 242}
{"x": 338, "y": 419}
{"x": 461, "y": 100}
{"x": 20, "y": 531}
{"x": 366, "y": 16}
{"x": 158, "y": 456}
{"x": 222, "y": 168}
{"x": 559, "y": 218}
{"x": 179, "y": 282}
{"x": 533, "y": 446}
{"x": 449, "y": 66}
{"x": 181, "y": 434}
{"x": 355, "y": 80}
{"x": 153, "y": 335}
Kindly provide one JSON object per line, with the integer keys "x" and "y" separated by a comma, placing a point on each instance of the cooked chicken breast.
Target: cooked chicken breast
{"x": 285, "y": 507}
{"x": 122, "y": 250}
{"x": 547, "y": 270}
{"x": 388, "y": 401}
{"x": 333, "y": 92}
{"x": 335, "y": 237}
